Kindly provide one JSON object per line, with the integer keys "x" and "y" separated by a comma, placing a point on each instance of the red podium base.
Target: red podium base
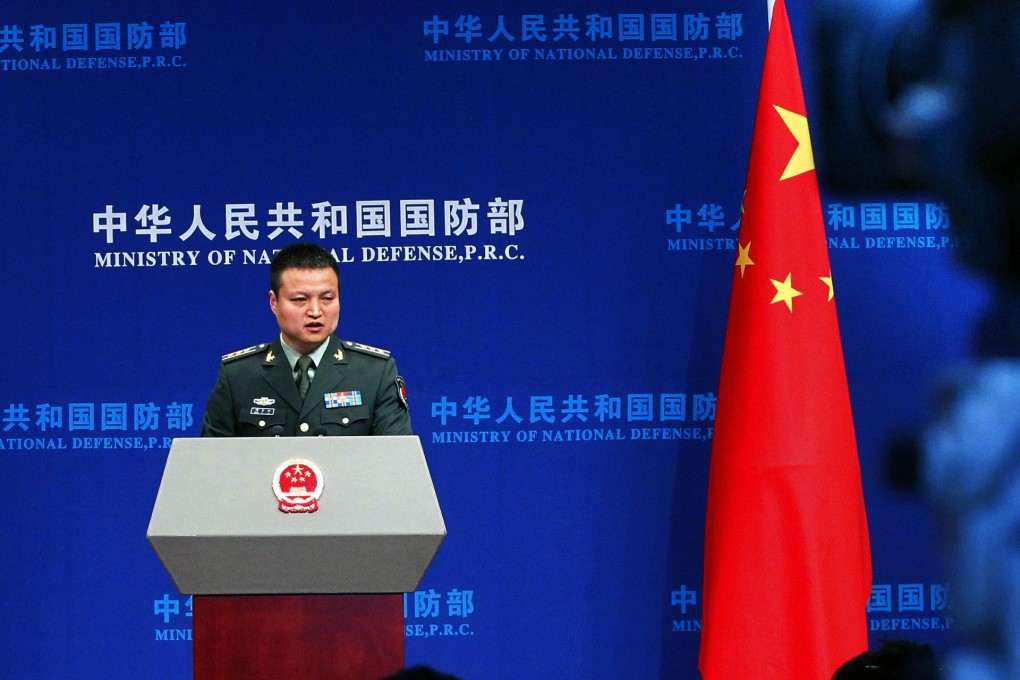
{"x": 326, "y": 637}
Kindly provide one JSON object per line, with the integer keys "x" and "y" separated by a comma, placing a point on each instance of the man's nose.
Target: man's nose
{"x": 314, "y": 309}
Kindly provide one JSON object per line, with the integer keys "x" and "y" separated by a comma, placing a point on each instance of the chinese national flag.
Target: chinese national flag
{"x": 787, "y": 558}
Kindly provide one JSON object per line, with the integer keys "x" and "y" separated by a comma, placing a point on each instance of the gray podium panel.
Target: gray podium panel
{"x": 217, "y": 527}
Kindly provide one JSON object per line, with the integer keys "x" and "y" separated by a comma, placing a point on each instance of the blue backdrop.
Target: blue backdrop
{"x": 535, "y": 211}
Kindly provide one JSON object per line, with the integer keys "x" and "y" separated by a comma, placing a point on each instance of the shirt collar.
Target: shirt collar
{"x": 293, "y": 355}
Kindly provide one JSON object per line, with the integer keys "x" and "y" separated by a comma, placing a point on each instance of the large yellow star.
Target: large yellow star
{"x": 827, "y": 280}
{"x": 802, "y": 159}
{"x": 785, "y": 292}
{"x": 743, "y": 257}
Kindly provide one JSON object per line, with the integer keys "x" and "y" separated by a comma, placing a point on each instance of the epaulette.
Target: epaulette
{"x": 367, "y": 349}
{"x": 247, "y": 351}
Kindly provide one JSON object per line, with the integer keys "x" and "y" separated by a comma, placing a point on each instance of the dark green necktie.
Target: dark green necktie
{"x": 304, "y": 363}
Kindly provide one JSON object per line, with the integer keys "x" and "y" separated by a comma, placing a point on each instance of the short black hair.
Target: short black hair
{"x": 420, "y": 673}
{"x": 300, "y": 256}
{"x": 895, "y": 660}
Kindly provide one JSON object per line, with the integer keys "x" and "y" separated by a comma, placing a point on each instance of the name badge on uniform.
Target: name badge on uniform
{"x": 260, "y": 407}
{"x": 342, "y": 399}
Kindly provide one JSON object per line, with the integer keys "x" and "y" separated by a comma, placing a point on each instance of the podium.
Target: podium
{"x": 296, "y": 550}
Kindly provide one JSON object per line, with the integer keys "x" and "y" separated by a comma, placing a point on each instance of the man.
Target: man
{"x": 306, "y": 382}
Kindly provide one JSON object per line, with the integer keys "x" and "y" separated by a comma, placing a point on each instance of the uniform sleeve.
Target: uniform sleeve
{"x": 390, "y": 417}
{"x": 219, "y": 418}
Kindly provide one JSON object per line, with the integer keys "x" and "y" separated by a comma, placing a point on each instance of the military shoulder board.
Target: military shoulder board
{"x": 244, "y": 352}
{"x": 367, "y": 349}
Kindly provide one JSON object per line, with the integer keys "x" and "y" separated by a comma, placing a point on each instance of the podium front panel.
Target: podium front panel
{"x": 218, "y": 528}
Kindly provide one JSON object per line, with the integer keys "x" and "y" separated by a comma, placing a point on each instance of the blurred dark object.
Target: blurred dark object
{"x": 903, "y": 463}
{"x": 895, "y": 660}
{"x": 420, "y": 673}
{"x": 921, "y": 95}
{"x": 998, "y": 331}
{"x": 971, "y": 473}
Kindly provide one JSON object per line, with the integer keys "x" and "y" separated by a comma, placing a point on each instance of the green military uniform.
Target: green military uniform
{"x": 355, "y": 391}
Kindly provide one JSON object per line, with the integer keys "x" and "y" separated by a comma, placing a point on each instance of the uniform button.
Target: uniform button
{"x": 262, "y": 423}
{"x": 345, "y": 421}
{"x": 304, "y": 427}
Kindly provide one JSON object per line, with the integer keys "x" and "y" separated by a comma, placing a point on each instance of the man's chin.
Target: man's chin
{"x": 308, "y": 341}
{"x": 315, "y": 338}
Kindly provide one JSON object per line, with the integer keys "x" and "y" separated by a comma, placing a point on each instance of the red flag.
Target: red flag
{"x": 787, "y": 557}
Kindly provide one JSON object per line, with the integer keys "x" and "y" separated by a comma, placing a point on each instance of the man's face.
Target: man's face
{"x": 307, "y": 307}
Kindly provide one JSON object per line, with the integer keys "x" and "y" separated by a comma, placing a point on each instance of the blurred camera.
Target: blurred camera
{"x": 924, "y": 96}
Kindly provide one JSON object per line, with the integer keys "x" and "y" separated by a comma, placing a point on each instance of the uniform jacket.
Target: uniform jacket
{"x": 356, "y": 391}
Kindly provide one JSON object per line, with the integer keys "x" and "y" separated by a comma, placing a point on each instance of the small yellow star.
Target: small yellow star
{"x": 743, "y": 257}
{"x": 785, "y": 291}
{"x": 270, "y": 356}
{"x": 827, "y": 280}
{"x": 802, "y": 159}
{"x": 339, "y": 356}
